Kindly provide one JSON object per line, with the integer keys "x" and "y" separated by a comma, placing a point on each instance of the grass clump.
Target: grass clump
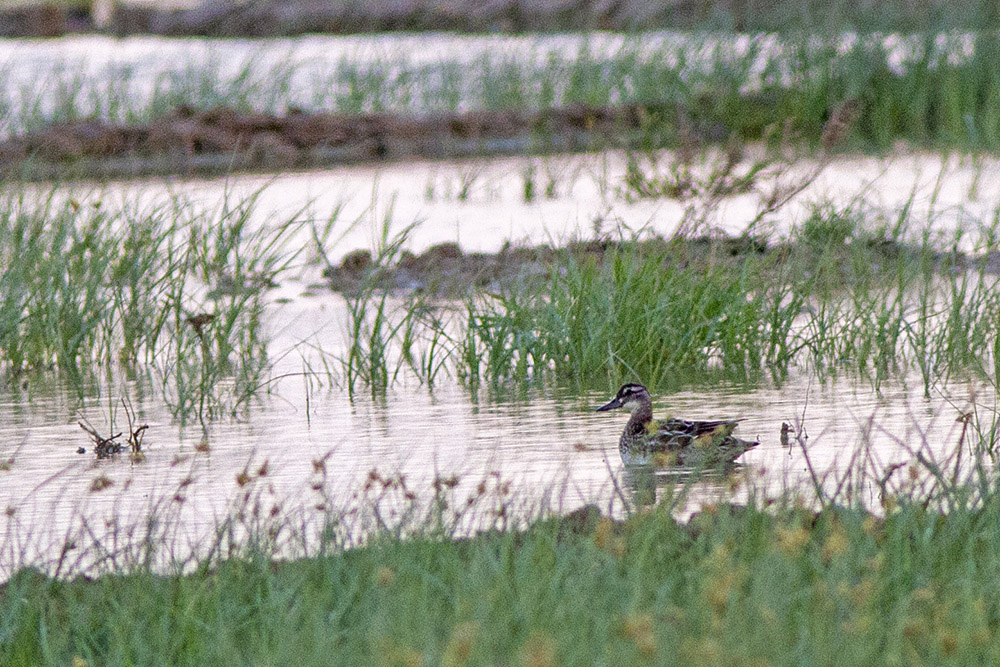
{"x": 172, "y": 291}
{"x": 732, "y": 584}
{"x": 834, "y": 295}
{"x": 852, "y": 288}
{"x": 629, "y": 313}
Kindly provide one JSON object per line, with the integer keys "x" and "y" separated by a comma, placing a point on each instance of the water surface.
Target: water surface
{"x": 546, "y": 443}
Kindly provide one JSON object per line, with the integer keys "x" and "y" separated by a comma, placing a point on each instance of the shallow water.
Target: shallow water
{"x": 70, "y": 76}
{"x": 74, "y": 75}
{"x": 549, "y": 446}
{"x": 944, "y": 195}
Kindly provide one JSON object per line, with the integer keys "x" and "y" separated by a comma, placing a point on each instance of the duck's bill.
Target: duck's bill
{"x": 615, "y": 403}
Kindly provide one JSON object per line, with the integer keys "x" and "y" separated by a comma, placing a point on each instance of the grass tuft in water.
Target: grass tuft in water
{"x": 841, "y": 292}
{"x": 173, "y": 290}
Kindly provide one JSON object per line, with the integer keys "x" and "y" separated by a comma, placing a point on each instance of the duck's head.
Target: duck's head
{"x": 631, "y": 397}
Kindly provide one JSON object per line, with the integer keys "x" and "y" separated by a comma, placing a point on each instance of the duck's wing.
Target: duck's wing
{"x": 684, "y": 429}
{"x": 700, "y": 443}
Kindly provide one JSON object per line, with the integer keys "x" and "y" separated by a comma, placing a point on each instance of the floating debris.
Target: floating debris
{"x": 105, "y": 447}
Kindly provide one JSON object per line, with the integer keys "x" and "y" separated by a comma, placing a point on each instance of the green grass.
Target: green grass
{"x": 90, "y": 289}
{"x": 393, "y": 574}
{"x": 774, "y": 15}
{"x": 733, "y": 585}
{"x": 388, "y": 575}
{"x": 850, "y": 289}
{"x": 931, "y": 88}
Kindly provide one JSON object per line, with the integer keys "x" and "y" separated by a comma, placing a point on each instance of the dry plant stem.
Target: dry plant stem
{"x": 103, "y": 447}
{"x": 776, "y": 176}
{"x": 817, "y": 483}
{"x": 619, "y": 492}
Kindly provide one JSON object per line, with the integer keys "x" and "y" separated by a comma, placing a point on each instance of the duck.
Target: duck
{"x": 673, "y": 442}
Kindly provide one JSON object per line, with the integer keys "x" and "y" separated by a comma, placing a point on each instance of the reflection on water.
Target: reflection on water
{"x": 944, "y": 196}
{"x": 307, "y": 450}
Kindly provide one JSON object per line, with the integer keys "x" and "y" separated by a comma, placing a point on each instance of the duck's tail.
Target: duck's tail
{"x": 732, "y": 448}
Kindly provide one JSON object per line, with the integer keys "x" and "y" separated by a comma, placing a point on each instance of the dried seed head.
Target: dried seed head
{"x": 842, "y": 119}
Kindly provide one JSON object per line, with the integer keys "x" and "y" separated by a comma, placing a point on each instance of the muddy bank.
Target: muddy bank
{"x": 444, "y": 270}
{"x": 223, "y": 140}
{"x": 232, "y": 18}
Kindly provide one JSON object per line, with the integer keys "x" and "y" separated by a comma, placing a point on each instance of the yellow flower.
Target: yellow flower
{"x": 836, "y": 543}
{"x": 792, "y": 540}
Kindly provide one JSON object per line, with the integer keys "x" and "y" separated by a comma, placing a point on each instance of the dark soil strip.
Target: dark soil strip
{"x": 445, "y": 270}
{"x": 270, "y": 18}
{"x": 223, "y": 140}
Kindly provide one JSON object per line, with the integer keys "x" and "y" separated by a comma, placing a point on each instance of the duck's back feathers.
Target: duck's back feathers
{"x": 682, "y": 427}
{"x": 685, "y": 442}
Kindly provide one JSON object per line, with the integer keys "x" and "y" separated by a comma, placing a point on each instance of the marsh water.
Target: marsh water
{"x": 549, "y": 449}
{"x": 480, "y": 204}
{"x": 306, "y": 445}
{"x": 547, "y": 444}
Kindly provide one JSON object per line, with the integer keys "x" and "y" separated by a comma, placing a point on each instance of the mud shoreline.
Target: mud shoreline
{"x": 230, "y": 18}
{"x": 223, "y": 140}
{"x": 446, "y": 271}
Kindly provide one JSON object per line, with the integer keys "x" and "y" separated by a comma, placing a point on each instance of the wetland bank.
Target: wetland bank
{"x": 368, "y": 390}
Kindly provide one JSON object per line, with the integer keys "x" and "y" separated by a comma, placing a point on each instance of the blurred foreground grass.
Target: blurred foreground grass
{"x": 737, "y": 586}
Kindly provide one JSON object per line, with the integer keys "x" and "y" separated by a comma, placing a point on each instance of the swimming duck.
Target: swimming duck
{"x": 673, "y": 441}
